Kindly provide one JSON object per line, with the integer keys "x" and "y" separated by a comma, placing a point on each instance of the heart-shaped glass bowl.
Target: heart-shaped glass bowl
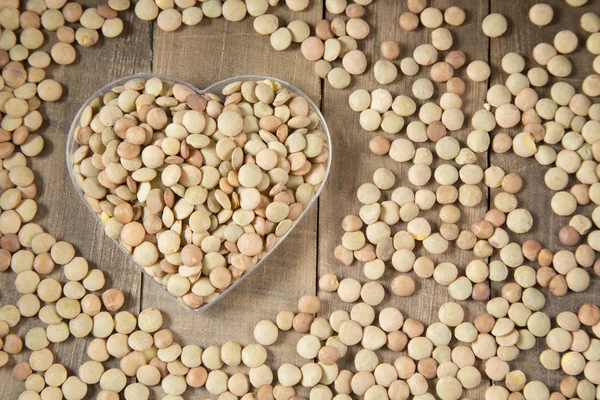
{"x": 214, "y": 89}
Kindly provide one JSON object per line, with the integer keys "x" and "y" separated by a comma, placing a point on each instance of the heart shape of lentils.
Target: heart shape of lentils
{"x": 198, "y": 187}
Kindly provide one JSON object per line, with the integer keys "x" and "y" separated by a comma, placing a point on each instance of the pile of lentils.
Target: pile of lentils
{"x": 390, "y": 227}
{"x": 83, "y": 307}
{"x": 567, "y": 119}
{"x": 197, "y": 188}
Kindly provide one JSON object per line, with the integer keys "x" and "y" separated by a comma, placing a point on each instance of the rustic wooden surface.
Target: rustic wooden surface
{"x": 355, "y": 164}
{"x": 521, "y": 37}
{"x": 218, "y": 49}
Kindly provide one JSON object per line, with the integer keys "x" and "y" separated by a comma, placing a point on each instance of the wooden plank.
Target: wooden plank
{"x": 212, "y": 51}
{"x": 522, "y": 36}
{"x": 353, "y": 164}
{"x": 61, "y": 212}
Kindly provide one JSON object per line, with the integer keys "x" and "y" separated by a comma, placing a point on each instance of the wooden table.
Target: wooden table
{"x": 218, "y": 49}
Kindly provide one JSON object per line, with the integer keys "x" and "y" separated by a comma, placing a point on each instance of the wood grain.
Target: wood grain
{"x": 61, "y": 212}
{"x": 218, "y": 49}
{"x": 203, "y": 55}
{"x": 354, "y": 164}
{"x": 521, "y": 38}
